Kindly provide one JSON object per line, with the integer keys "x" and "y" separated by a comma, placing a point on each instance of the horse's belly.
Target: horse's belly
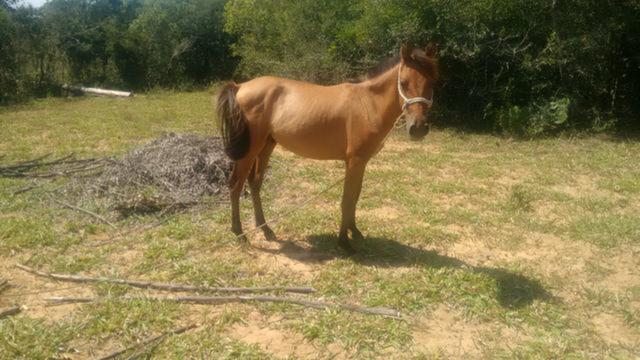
{"x": 312, "y": 143}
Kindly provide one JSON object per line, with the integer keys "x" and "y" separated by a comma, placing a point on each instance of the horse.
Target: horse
{"x": 348, "y": 122}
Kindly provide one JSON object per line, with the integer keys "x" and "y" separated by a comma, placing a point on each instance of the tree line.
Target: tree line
{"x": 526, "y": 67}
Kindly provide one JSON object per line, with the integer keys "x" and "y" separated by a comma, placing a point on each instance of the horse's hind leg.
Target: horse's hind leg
{"x": 255, "y": 182}
{"x": 241, "y": 170}
{"x": 352, "y": 187}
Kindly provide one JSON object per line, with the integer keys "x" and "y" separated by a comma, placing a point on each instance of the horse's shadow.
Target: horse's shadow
{"x": 514, "y": 290}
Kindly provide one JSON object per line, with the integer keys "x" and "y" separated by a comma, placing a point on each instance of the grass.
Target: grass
{"x": 492, "y": 248}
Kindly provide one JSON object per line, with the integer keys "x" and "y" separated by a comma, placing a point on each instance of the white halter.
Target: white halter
{"x": 414, "y": 100}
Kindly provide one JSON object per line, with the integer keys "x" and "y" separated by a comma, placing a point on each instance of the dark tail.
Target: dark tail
{"x": 233, "y": 125}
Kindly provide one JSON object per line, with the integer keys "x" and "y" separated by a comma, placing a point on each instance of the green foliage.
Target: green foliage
{"x": 533, "y": 120}
{"x": 7, "y": 56}
{"x": 506, "y": 65}
{"x": 523, "y": 67}
{"x": 172, "y": 42}
{"x": 134, "y": 44}
{"x": 295, "y": 39}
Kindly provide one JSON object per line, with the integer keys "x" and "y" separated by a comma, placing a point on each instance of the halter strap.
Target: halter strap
{"x": 409, "y": 101}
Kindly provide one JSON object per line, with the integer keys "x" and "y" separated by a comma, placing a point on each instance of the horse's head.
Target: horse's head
{"x": 417, "y": 75}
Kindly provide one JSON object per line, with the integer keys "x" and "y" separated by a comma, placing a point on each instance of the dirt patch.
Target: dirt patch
{"x": 513, "y": 177}
{"x": 451, "y": 173}
{"x": 552, "y": 255}
{"x": 399, "y": 146}
{"x": 581, "y": 185}
{"x": 124, "y": 258}
{"x": 382, "y": 213}
{"x": 624, "y": 271}
{"x": 281, "y": 343}
{"x": 292, "y": 257}
{"x": 448, "y": 201}
{"x": 445, "y": 333}
{"x": 613, "y": 330}
{"x": 569, "y": 263}
{"x": 30, "y": 292}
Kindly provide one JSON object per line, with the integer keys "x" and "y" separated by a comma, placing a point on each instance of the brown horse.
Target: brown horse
{"x": 349, "y": 122}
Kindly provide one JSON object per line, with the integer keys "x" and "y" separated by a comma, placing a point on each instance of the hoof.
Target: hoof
{"x": 269, "y": 234}
{"x": 240, "y": 236}
{"x": 356, "y": 235}
{"x": 346, "y": 246}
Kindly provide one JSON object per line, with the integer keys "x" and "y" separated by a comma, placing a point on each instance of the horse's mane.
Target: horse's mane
{"x": 430, "y": 65}
{"x": 383, "y": 66}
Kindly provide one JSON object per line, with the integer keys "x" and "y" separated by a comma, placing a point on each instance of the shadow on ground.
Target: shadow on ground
{"x": 514, "y": 290}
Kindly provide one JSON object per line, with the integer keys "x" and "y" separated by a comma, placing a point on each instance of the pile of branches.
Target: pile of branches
{"x": 171, "y": 172}
{"x": 174, "y": 171}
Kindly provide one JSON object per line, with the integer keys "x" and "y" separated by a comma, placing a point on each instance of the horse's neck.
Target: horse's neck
{"x": 384, "y": 92}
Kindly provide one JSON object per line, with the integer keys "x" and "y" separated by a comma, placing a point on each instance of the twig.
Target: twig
{"x": 25, "y": 189}
{"x": 10, "y": 312}
{"x": 25, "y": 163}
{"x": 148, "y": 341}
{"x": 85, "y": 211}
{"x": 4, "y": 285}
{"x": 50, "y": 174}
{"x": 162, "y": 286}
{"x": 25, "y": 169}
{"x": 212, "y": 300}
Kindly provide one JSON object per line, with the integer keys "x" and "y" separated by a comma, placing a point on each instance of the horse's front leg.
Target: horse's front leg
{"x": 352, "y": 187}
{"x": 256, "y": 176}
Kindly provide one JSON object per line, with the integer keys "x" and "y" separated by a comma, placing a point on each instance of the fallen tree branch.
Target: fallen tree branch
{"x": 163, "y": 286}
{"x": 212, "y": 300}
{"x": 72, "y": 207}
{"x": 28, "y": 169}
{"x": 146, "y": 342}
{"x": 10, "y": 312}
{"x": 98, "y": 91}
{"x": 29, "y": 163}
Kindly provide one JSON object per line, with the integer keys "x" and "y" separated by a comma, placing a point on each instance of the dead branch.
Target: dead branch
{"x": 28, "y": 169}
{"x": 26, "y": 163}
{"x": 146, "y": 342}
{"x": 163, "y": 286}
{"x": 86, "y": 212}
{"x": 49, "y": 174}
{"x": 25, "y": 189}
{"x": 212, "y": 300}
{"x": 10, "y": 312}
{"x": 37, "y": 162}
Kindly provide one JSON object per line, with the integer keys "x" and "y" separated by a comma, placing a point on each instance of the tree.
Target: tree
{"x": 8, "y": 74}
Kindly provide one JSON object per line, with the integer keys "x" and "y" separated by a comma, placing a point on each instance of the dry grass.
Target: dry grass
{"x": 494, "y": 248}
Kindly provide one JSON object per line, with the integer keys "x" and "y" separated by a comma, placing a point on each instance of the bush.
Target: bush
{"x": 534, "y": 120}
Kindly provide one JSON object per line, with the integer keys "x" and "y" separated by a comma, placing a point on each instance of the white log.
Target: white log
{"x": 97, "y": 91}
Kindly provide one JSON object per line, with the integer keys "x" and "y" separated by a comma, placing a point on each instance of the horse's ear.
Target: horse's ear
{"x": 431, "y": 50}
{"x": 405, "y": 52}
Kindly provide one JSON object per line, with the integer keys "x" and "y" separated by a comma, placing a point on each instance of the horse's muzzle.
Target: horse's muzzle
{"x": 417, "y": 132}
